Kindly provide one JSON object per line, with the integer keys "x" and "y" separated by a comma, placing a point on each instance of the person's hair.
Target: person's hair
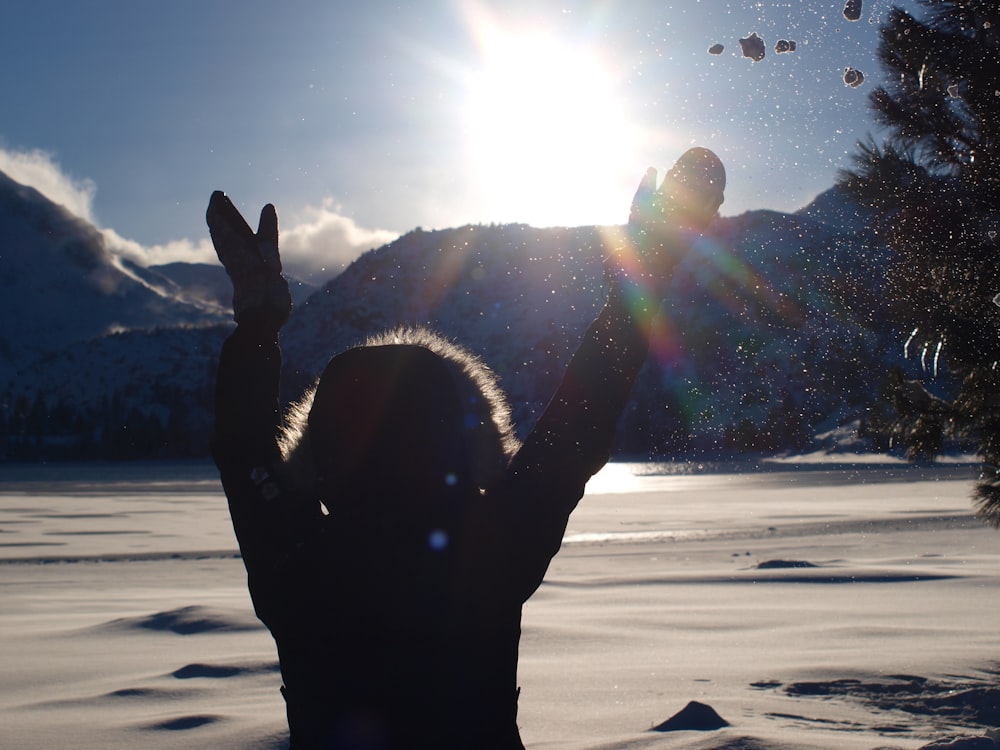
{"x": 478, "y": 387}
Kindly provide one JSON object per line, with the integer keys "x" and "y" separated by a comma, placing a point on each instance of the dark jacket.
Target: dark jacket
{"x": 408, "y": 638}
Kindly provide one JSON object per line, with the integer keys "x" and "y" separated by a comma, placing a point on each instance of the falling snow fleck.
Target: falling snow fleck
{"x": 753, "y": 47}
{"x": 716, "y": 49}
{"x": 953, "y": 91}
{"x": 852, "y": 10}
{"x": 853, "y": 77}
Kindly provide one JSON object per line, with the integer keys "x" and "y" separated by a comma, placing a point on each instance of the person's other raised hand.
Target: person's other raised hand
{"x": 687, "y": 200}
{"x": 250, "y": 258}
{"x": 664, "y": 220}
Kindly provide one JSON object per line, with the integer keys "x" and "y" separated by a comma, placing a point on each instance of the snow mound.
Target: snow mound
{"x": 695, "y": 716}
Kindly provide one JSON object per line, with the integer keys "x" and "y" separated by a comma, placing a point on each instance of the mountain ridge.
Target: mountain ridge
{"x": 61, "y": 283}
{"x": 769, "y": 335}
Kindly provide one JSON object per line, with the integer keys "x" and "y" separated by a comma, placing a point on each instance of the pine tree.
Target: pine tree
{"x": 935, "y": 185}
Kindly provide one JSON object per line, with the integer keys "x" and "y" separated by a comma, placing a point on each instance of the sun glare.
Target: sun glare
{"x": 549, "y": 138}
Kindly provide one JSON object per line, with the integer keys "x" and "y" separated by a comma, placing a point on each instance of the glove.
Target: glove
{"x": 251, "y": 260}
{"x": 689, "y": 198}
{"x": 664, "y": 221}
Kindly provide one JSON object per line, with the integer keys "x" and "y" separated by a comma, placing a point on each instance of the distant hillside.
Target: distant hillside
{"x": 517, "y": 295}
{"x": 772, "y": 332}
{"x": 59, "y": 284}
{"x": 836, "y": 208}
{"x": 202, "y": 284}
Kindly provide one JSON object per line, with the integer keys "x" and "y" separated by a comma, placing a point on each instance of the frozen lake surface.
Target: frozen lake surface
{"x": 826, "y": 607}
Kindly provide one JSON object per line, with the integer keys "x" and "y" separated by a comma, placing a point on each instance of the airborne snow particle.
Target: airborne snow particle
{"x": 954, "y": 91}
{"x": 852, "y": 10}
{"x": 716, "y": 49}
{"x": 753, "y": 47}
{"x": 783, "y": 45}
{"x": 853, "y": 77}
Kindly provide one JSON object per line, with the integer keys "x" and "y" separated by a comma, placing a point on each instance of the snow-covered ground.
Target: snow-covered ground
{"x": 809, "y": 606}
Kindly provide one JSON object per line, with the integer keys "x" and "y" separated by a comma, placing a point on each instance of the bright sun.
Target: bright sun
{"x": 549, "y": 139}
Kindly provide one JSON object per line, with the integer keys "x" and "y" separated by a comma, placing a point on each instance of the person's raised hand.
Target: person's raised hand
{"x": 250, "y": 258}
{"x": 687, "y": 200}
{"x": 664, "y": 220}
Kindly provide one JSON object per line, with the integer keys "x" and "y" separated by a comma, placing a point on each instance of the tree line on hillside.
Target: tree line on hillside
{"x": 175, "y": 423}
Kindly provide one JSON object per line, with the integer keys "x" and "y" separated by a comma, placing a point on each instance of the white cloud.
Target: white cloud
{"x": 321, "y": 240}
{"x": 316, "y": 243}
{"x": 38, "y": 169}
{"x": 182, "y": 251}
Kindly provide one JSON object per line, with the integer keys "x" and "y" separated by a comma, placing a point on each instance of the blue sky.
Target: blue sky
{"x": 364, "y": 120}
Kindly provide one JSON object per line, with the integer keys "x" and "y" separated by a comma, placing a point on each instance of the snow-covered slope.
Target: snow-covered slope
{"x": 59, "y": 284}
{"x": 517, "y": 295}
{"x": 835, "y": 208}
{"x": 202, "y": 284}
{"x": 769, "y": 329}
{"x": 772, "y": 329}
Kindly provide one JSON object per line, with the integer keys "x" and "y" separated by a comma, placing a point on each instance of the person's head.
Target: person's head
{"x": 406, "y": 413}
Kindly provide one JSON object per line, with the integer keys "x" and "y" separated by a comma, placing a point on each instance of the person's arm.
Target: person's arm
{"x": 247, "y": 414}
{"x": 572, "y": 439}
{"x": 244, "y": 440}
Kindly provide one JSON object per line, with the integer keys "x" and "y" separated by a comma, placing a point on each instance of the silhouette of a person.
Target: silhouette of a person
{"x": 393, "y": 532}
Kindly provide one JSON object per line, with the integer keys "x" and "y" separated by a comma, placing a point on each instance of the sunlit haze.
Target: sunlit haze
{"x": 539, "y": 105}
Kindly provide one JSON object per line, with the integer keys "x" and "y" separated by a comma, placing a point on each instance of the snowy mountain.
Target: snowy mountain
{"x": 64, "y": 300}
{"x": 772, "y": 329}
{"x": 59, "y": 284}
{"x": 202, "y": 284}
{"x": 517, "y": 295}
{"x": 770, "y": 333}
{"x": 836, "y": 208}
